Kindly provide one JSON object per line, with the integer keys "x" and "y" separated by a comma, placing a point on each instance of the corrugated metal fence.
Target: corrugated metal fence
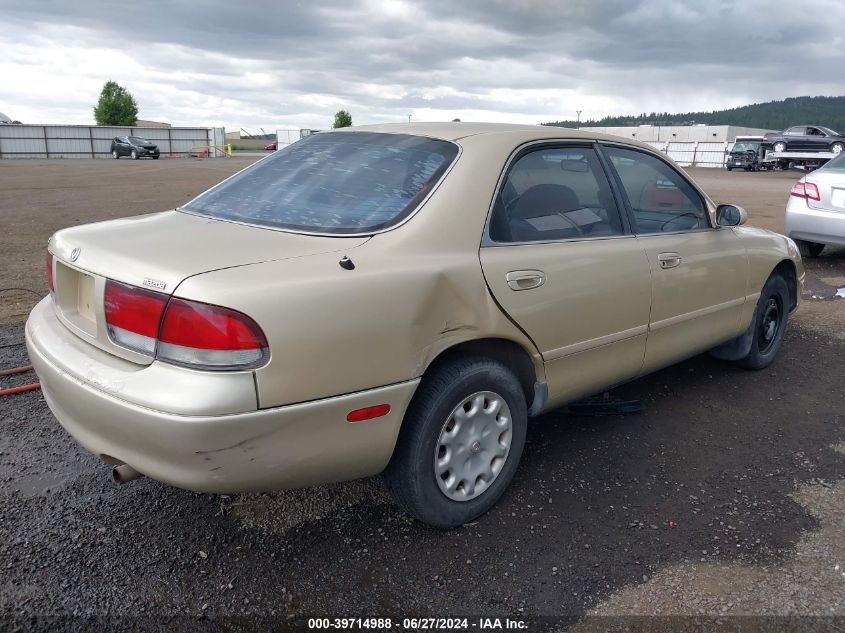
{"x": 84, "y": 141}
{"x": 695, "y": 154}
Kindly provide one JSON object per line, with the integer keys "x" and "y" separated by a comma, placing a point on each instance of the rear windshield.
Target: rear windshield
{"x": 333, "y": 182}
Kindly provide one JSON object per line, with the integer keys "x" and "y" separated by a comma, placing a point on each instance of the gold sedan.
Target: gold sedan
{"x": 396, "y": 299}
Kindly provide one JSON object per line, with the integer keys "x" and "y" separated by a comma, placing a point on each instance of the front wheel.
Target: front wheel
{"x": 134, "y": 155}
{"x": 769, "y": 325}
{"x": 460, "y": 442}
{"x": 837, "y": 148}
{"x": 809, "y": 249}
{"x": 780, "y": 147}
{"x": 114, "y": 154}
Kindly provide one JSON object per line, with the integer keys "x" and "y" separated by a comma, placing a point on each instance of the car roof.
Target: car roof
{"x": 454, "y": 131}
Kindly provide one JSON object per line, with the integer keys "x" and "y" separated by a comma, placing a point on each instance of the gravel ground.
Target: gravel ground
{"x": 725, "y": 497}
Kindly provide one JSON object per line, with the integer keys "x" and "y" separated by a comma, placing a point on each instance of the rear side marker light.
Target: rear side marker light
{"x": 368, "y": 413}
{"x": 182, "y": 332}
{"x": 806, "y": 190}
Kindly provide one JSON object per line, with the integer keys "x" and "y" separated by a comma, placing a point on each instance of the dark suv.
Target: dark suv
{"x": 745, "y": 154}
{"x": 133, "y": 146}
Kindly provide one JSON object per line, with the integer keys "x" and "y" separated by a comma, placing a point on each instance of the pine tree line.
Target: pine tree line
{"x": 774, "y": 115}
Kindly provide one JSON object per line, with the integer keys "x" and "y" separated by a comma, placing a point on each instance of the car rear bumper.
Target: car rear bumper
{"x": 266, "y": 449}
{"x": 814, "y": 225}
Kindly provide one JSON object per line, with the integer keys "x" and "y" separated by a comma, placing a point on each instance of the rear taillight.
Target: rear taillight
{"x": 50, "y": 284}
{"x": 182, "y": 332}
{"x": 210, "y": 337}
{"x": 133, "y": 316}
{"x": 806, "y": 190}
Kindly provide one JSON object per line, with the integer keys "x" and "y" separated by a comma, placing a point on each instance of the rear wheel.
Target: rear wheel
{"x": 769, "y": 325}
{"x": 155, "y": 157}
{"x": 809, "y": 249}
{"x": 460, "y": 442}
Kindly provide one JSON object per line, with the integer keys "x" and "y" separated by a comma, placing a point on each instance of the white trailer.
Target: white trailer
{"x": 290, "y": 135}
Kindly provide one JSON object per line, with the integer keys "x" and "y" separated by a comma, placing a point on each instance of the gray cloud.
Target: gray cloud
{"x": 275, "y": 64}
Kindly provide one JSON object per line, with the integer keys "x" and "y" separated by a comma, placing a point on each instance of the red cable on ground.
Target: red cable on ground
{"x": 21, "y": 389}
{"x": 16, "y": 370}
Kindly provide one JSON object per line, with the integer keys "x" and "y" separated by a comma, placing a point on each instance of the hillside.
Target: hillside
{"x": 774, "y": 115}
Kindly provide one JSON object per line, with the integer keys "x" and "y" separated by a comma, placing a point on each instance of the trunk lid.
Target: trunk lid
{"x": 157, "y": 252}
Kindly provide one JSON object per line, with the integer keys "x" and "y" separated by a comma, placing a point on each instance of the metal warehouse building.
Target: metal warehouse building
{"x": 688, "y": 145}
{"x": 94, "y": 141}
{"x": 681, "y": 133}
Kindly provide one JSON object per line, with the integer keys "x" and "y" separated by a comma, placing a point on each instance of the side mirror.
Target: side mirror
{"x": 731, "y": 215}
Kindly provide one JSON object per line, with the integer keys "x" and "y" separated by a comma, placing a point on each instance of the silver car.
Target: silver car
{"x": 815, "y": 213}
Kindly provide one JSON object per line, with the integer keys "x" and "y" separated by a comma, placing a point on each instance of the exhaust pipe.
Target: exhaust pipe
{"x": 124, "y": 473}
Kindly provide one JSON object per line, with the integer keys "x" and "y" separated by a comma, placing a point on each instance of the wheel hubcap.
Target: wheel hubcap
{"x": 837, "y": 149}
{"x": 473, "y": 446}
{"x": 768, "y": 325}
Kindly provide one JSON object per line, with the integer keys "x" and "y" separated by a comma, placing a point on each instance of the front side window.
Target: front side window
{"x": 661, "y": 199}
{"x": 555, "y": 194}
{"x": 342, "y": 183}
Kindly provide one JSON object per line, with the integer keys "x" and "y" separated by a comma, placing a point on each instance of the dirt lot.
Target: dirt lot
{"x": 724, "y": 499}
{"x": 39, "y": 197}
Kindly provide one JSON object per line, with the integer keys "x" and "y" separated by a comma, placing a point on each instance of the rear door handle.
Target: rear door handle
{"x": 669, "y": 260}
{"x": 525, "y": 279}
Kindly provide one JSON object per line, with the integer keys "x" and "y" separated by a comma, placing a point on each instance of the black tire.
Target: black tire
{"x": 730, "y": 168}
{"x": 134, "y": 155}
{"x": 410, "y": 476}
{"x": 155, "y": 157}
{"x": 809, "y": 249}
{"x": 769, "y": 325}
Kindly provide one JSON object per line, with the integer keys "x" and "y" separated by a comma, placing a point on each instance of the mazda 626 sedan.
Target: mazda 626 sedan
{"x": 396, "y": 299}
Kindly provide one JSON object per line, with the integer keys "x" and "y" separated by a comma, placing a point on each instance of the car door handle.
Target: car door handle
{"x": 669, "y": 260}
{"x": 525, "y": 279}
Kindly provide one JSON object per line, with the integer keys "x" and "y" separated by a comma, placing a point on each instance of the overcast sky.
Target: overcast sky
{"x": 278, "y": 64}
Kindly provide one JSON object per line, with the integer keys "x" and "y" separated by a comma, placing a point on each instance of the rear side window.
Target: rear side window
{"x": 555, "y": 194}
{"x": 661, "y": 198}
{"x": 337, "y": 182}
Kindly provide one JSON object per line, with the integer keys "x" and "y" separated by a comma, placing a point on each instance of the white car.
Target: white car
{"x": 815, "y": 213}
